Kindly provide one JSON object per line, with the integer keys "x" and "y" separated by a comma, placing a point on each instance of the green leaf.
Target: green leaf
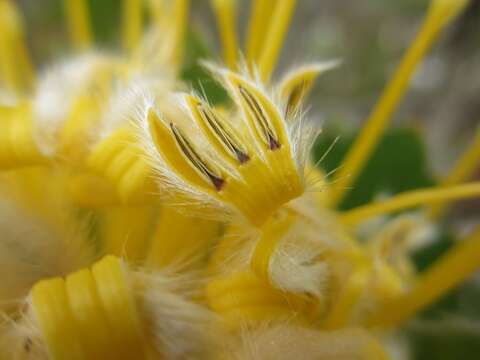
{"x": 398, "y": 164}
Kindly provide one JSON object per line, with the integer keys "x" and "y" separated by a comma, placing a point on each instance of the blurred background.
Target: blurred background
{"x": 435, "y": 122}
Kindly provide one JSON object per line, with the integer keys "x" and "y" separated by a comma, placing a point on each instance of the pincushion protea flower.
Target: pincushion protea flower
{"x": 209, "y": 238}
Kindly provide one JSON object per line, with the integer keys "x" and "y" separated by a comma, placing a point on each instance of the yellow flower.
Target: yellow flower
{"x": 212, "y": 240}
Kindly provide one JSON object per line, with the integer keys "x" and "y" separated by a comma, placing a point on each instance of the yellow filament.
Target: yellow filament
{"x": 361, "y": 150}
{"x": 90, "y": 315}
{"x": 132, "y": 14}
{"x": 449, "y": 271}
{"x": 178, "y": 238}
{"x": 257, "y": 28}
{"x": 275, "y": 37}
{"x": 463, "y": 169}
{"x": 272, "y": 234}
{"x": 411, "y": 199}
{"x": 78, "y": 19}
{"x": 347, "y": 299}
{"x": 225, "y": 11}
{"x": 16, "y": 70}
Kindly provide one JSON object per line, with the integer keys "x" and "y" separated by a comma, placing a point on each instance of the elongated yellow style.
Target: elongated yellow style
{"x": 132, "y": 16}
{"x": 225, "y": 11}
{"x": 461, "y": 171}
{"x": 259, "y": 21}
{"x": 275, "y": 37}
{"x": 272, "y": 234}
{"x": 105, "y": 323}
{"x": 447, "y": 272}
{"x": 16, "y": 69}
{"x": 411, "y": 199}
{"x": 78, "y": 21}
{"x": 440, "y": 13}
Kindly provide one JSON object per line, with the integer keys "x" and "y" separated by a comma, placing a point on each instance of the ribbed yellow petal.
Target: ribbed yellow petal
{"x": 89, "y": 315}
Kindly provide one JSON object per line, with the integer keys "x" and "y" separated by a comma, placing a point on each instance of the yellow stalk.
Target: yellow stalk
{"x": 78, "y": 21}
{"x": 225, "y": 12}
{"x": 180, "y": 18}
{"x": 449, "y": 271}
{"x": 275, "y": 37}
{"x": 439, "y": 15}
{"x": 411, "y": 199}
{"x": 463, "y": 169}
{"x": 257, "y": 27}
{"x": 132, "y": 24}
{"x": 157, "y": 10}
{"x": 16, "y": 70}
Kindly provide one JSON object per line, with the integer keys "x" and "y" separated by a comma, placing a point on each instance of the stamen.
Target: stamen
{"x": 181, "y": 157}
{"x": 295, "y": 87}
{"x": 449, "y": 271}
{"x": 411, "y": 199}
{"x": 261, "y": 122}
{"x": 200, "y": 164}
{"x": 225, "y": 139}
{"x": 225, "y": 11}
{"x": 78, "y": 21}
{"x": 257, "y": 28}
{"x": 275, "y": 37}
{"x": 462, "y": 171}
{"x": 440, "y": 13}
{"x": 132, "y": 24}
